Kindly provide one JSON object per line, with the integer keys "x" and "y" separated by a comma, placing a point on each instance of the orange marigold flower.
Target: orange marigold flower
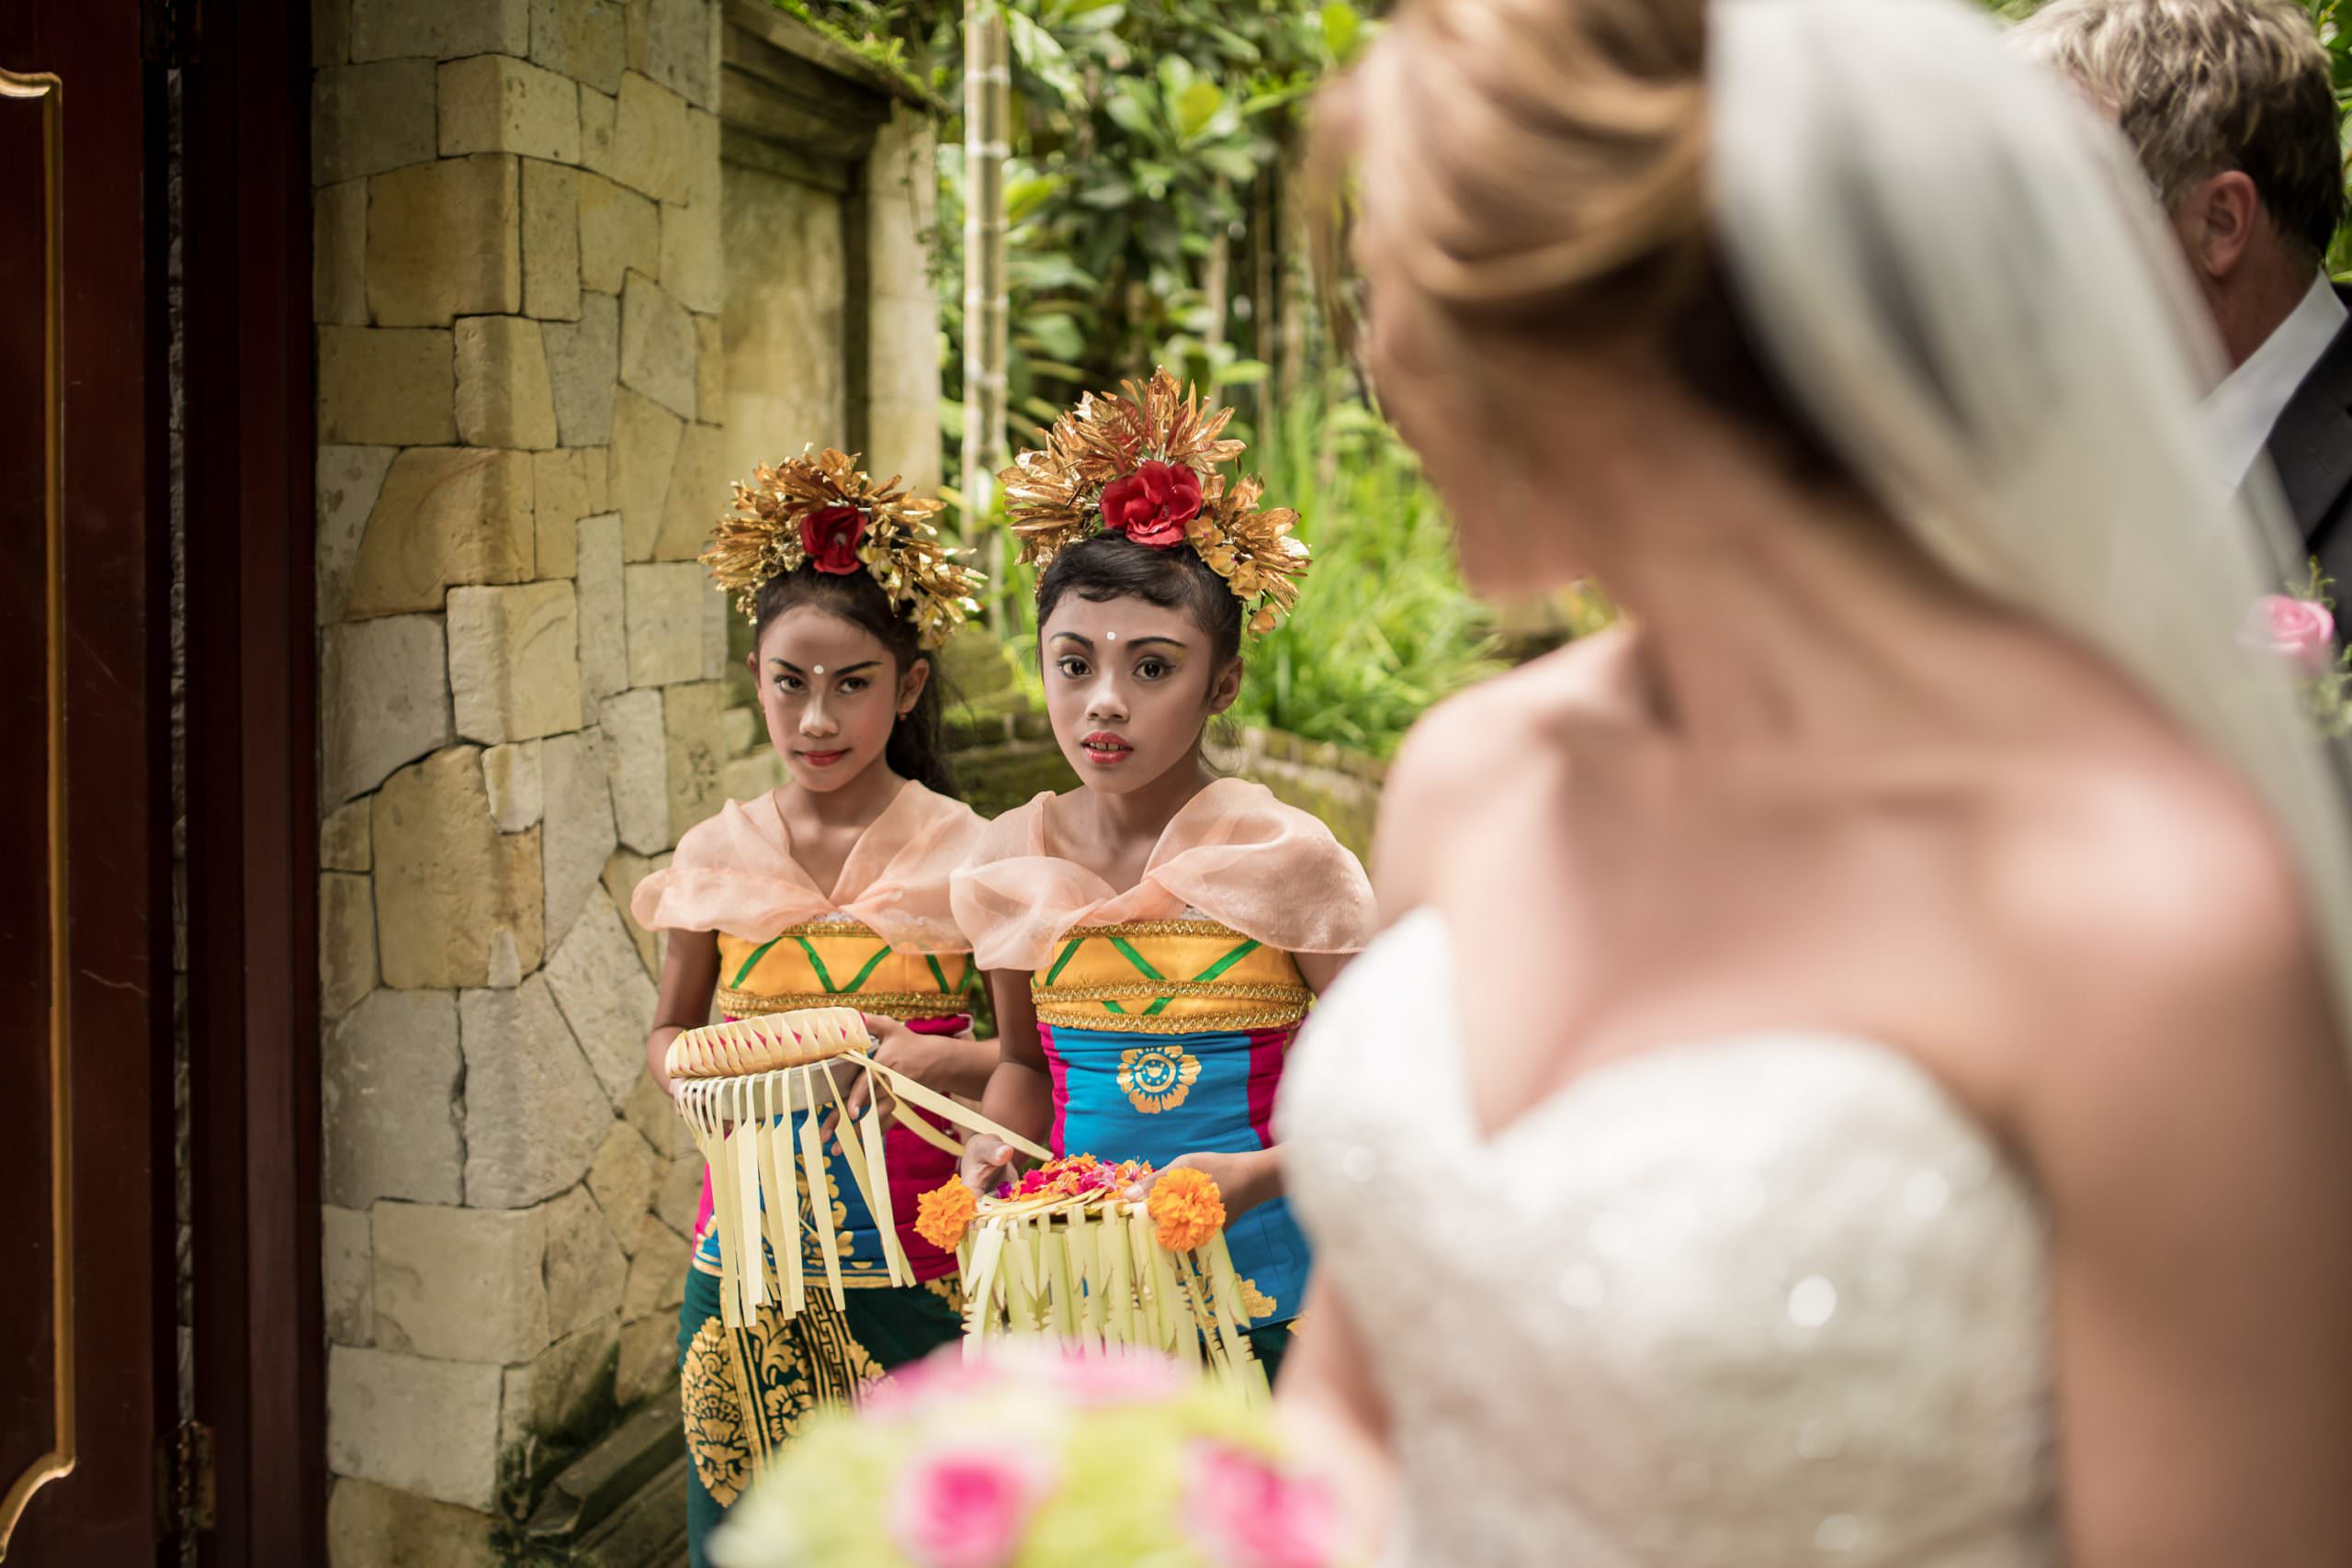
{"x": 942, "y": 1213}
{"x": 1186, "y": 1209}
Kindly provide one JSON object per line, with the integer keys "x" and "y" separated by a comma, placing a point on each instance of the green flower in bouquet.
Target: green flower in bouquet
{"x": 1032, "y": 1458}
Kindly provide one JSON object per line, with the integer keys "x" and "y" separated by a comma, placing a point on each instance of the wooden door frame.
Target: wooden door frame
{"x": 252, "y": 751}
{"x": 101, "y": 939}
{"x": 243, "y": 465}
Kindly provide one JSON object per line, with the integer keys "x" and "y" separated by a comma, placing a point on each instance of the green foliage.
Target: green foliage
{"x": 1385, "y": 627}
{"x": 864, "y": 29}
{"x": 1146, "y": 136}
{"x": 2334, "y": 19}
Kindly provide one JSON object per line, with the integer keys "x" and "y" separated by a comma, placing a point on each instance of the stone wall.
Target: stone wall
{"x": 526, "y": 311}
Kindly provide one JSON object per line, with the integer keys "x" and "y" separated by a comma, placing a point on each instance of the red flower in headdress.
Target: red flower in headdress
{"x": 1152, "y": 504}
{"x": 831, "y": 535}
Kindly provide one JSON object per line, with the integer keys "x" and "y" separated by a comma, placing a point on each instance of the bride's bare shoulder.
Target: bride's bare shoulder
{"x": 1449, "y": 760}
{"x": 2166, "y": 917}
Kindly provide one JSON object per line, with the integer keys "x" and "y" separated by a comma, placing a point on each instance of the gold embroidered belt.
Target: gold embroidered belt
{"x": 1169, "y": 977}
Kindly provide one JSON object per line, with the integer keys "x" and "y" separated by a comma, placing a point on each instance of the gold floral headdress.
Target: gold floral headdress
{"x": 1146, "y": 465}
{"x": 823, "y": 510}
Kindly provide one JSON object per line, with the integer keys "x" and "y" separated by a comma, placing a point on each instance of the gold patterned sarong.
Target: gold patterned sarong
{"x": 785, "y": 1370}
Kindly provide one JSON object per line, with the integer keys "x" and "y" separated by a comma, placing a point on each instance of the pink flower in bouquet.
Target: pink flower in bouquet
{"x": 1101, "y": 1378}
{"x": 2299, "y": 630}
{"x": 1247, "y": 1514}
{"x": 963, "y": 1507}
{"x": 940, "y": 1378}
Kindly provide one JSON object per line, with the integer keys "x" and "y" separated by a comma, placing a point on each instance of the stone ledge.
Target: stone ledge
{"x": 610, "y": 1476}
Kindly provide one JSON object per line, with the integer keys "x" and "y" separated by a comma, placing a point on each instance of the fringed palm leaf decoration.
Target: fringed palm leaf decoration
{"x": 739, "y": 1085}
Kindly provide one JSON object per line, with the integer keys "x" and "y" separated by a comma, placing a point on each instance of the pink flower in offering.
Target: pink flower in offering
{"x": 2299, "y": 630}
{"x": 963, "y": 1507}
{"x": 1247, "y": 1514}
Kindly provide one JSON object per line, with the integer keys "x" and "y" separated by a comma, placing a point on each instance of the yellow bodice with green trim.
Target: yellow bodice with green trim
{"x": 1169, "y": 977}
{"x": 828, "y": 963}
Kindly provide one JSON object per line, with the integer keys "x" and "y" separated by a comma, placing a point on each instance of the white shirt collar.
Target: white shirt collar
{"x": 2243, "y": 409}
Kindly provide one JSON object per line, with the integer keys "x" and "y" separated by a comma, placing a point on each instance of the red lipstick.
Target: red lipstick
{"x": 1105, "y": 750}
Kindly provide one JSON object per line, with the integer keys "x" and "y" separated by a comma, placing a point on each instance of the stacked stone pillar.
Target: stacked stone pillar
{"x": 521, "y": 392}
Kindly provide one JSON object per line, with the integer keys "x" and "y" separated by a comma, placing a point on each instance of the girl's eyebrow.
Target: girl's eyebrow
{"x": 1088, "y": 643}
{"x": 845, "y": 670}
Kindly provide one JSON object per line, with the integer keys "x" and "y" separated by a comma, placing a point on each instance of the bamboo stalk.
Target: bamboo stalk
{"x": 988, "y": 94}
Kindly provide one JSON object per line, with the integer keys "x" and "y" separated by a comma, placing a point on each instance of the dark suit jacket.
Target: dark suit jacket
{"x": 2312, "y": 448}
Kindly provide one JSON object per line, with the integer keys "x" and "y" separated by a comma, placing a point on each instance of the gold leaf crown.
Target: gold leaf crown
{"x": 1146, "y": 465}
{"x": 822, "y": 508}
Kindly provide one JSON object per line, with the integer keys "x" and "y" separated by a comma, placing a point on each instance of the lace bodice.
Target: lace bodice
{"x": 1745, "y": 1304}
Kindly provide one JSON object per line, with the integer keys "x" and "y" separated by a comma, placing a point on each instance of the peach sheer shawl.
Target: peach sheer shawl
{"x": 735, "y": 873}
{"x": 1234, "y": 853}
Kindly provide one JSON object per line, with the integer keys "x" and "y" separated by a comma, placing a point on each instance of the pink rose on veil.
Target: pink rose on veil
{"x": 2299, "y": 630}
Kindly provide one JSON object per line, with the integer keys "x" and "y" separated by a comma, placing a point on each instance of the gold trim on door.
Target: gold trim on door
{"x": 48, "y": 91}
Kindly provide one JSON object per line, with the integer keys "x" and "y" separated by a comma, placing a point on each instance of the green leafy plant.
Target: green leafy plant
{"x": 1385, "y": 627}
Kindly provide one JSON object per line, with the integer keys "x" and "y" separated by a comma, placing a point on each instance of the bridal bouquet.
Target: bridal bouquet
{"x": 2299, "y": 628}
{"x": 1028, "y": 1458}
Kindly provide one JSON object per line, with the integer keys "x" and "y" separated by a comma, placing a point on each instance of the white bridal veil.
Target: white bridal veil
{"x": 1965, "y": 278}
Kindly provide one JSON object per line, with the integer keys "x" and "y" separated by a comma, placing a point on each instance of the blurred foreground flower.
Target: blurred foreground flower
{"x": 1025, "y": 1457}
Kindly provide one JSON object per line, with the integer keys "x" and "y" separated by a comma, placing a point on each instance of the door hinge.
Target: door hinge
{"x": 171, "y": 32}
{"x": 188, "y": 1490}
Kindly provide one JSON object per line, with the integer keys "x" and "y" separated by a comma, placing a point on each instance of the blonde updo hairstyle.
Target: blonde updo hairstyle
{"x": 1538, "y": 172}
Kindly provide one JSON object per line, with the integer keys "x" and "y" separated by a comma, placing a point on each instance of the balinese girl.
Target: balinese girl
{"x": 828, "y": 891}
{"x": 1153, "y": 937}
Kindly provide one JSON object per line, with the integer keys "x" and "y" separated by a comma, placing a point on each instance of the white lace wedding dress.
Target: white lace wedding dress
{"x": 1744, "y": 1304}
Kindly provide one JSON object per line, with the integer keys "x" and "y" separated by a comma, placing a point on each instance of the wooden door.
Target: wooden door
{"x": 85, "y": 974}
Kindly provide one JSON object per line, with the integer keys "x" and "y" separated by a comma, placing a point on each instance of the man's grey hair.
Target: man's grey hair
{"x": 2205, "y": 87}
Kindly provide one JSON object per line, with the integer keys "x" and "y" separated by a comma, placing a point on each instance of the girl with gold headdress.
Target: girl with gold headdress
{"x": 830, "y": 891}
{"x": 1153, "y": 937}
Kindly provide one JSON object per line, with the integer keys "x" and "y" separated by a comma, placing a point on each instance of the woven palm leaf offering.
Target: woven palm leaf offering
{"x": 1065, "y": 1253}
{"x": 756, "y": 1090}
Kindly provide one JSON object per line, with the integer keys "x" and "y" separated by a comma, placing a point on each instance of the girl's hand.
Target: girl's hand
{"x": 987, "y": 1160}
{"x": 921, "y": 1057}
{"x": 1243, "y": 1181}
